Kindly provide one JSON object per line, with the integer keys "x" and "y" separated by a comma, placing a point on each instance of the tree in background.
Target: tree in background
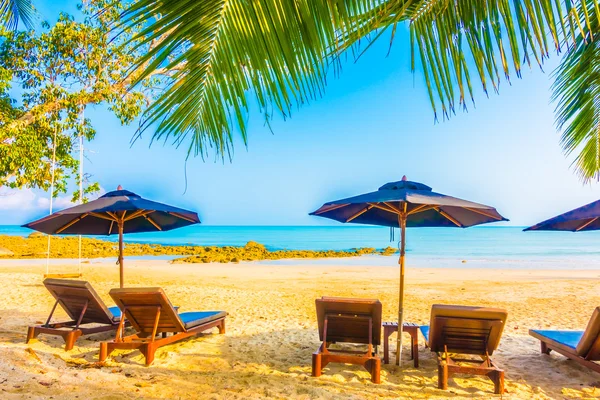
{"x": 58, "y": 71}
{"x": 225, "y": 53}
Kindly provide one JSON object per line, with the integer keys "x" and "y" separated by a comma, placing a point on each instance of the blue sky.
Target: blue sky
{"x": 373, "y": 125}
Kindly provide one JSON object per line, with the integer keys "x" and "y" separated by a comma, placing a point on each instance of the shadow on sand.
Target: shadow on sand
{"x": 278, "y": 364}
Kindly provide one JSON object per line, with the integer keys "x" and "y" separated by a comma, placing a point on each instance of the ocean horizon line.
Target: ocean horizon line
{"x": 332, "y": 225}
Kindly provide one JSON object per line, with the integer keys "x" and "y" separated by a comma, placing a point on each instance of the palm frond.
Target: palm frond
{"x": 576, "y": 90}
{"x": 489, "y": 39}
{"x": 13, "y": 11}
{"x": 223, "y": 54}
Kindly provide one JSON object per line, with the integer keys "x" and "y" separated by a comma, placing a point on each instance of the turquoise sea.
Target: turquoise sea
{"x": 481, "y": 247}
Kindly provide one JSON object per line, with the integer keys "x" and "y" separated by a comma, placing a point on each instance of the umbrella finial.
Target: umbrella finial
{"x": 404, "y": 179}
{"x": 119, "y": 187}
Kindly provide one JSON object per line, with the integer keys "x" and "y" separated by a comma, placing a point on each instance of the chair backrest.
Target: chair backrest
{"x": 72, "y": 295}
{"x": 348, "y": 319}
{"x": 140, "y": 306}
{"x": 589, "y": 344}
{"x": 465, "y": 330}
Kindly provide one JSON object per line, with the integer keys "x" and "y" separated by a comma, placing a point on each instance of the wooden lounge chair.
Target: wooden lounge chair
{"x": 83, "y": 305}
{"x": 580, "y": 346}
{"x": 151, "y": 314}
{"x": 348, "y": 321}
{"x": 465, "y": 330}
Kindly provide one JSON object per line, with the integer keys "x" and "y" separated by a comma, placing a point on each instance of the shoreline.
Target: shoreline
{"x": 358, "y": 261}
{"x": 337, "y": 264}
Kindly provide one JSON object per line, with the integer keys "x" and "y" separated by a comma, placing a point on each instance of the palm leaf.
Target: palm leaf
{"x": 224, "y": 55}
{"x": 13, "y": 11}
{"x": 576, "y": 90}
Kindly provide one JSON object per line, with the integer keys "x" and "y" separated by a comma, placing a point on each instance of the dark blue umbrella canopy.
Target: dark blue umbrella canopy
{"x": 586, "y": 218}
{"x": 119, "y": 211}
{"x": 101, "y": 216}
{"x": 422, "y": 207}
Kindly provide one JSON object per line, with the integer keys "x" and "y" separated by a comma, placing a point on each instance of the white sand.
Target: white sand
{"x": 271, "y": 333}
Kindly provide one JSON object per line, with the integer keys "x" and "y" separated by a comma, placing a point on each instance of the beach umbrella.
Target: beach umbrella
{"x": 116, "y": 212}
{"x": 407, "y": 204}
{"x": 585, "y": 218}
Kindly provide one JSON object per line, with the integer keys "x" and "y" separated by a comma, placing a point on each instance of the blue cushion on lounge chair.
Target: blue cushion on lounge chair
{"x": 568, "y": 338}
{"x": 192, "y": 319}
{"x": 115, "y": 311}
{"x": 425, "y": 331}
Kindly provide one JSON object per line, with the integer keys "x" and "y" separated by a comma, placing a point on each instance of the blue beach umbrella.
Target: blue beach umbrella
{"x": 407, "y": 204}
{"x": 116, "y": 212}
{"x": 585, "y": 218}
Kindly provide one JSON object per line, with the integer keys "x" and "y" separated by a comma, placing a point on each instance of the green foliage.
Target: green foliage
{"x": 11, "y": 11}
{"x": 491, "y": 36}
{"x": 58, "y": 72}
{"x": 224, "y": 54}
{"x": 576, "y": 90}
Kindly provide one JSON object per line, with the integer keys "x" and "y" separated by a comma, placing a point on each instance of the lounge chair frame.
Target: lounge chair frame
{"x": 448, "y": 366}
{"x": 368, "y": 359}
{"x": 467, "y": 336}
{"x": 72, "y": 330}
{"x": 547, "y": 345}
{"x": 148, "y": 343}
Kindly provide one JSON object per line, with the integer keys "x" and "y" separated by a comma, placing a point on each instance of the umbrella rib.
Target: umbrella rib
{"x": 379, "y": 206}
{"x": 101, "y": 216}
{"x": 421, "y": 208}
{"x": 152, "y": 222}
{"x": 331, "y": 208}
{"x": 392, "y": 207}
{"x": 448, "y": 217}
{"x": 180, "y": 216}
{"x": 483, "y": 213}
{"x": 586, "y": 224}
{"x": 112, "y": 214}
{"x": 138, "y": 214}
{"x": 71, "y": 223}
{"x": 110, "y": 227}
{"x": 361, "y": 212}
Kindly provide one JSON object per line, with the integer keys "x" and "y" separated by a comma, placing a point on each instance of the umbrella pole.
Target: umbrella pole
{"x": 402, "y": 223}
{"x": 120, "y": 223}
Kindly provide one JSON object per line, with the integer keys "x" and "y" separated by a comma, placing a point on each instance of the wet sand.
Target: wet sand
{"x": 271, "y": 333}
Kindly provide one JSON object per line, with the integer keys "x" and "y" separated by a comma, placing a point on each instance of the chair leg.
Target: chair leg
{"x": 148, "y": 351}
{"x": 104, "y": 352}
{"x": 414, "y": 350}
{"x": 316, "y": 364}
{"x": 375, "y": 370}
{"x": 71, "y": 338}
{"x": 221, "y": 327}
{"x": 498, "y": 378}
{"x": 544, "y": 348}
{"x": 386, "y": 346}
{"x": 32, "y": 333}
{"x": 443, "y": 376}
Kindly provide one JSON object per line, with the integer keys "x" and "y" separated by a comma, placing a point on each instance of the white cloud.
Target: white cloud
{"x": 29, "y": 199}
{"x": 23, "y": 199}
{"x": 58, "y": 203}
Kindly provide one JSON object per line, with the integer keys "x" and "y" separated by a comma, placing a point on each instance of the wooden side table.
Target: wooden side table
{"x": 408, "y": 327}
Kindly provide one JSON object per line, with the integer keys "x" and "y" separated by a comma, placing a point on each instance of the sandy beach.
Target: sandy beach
{"x": 271, "y": 333}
